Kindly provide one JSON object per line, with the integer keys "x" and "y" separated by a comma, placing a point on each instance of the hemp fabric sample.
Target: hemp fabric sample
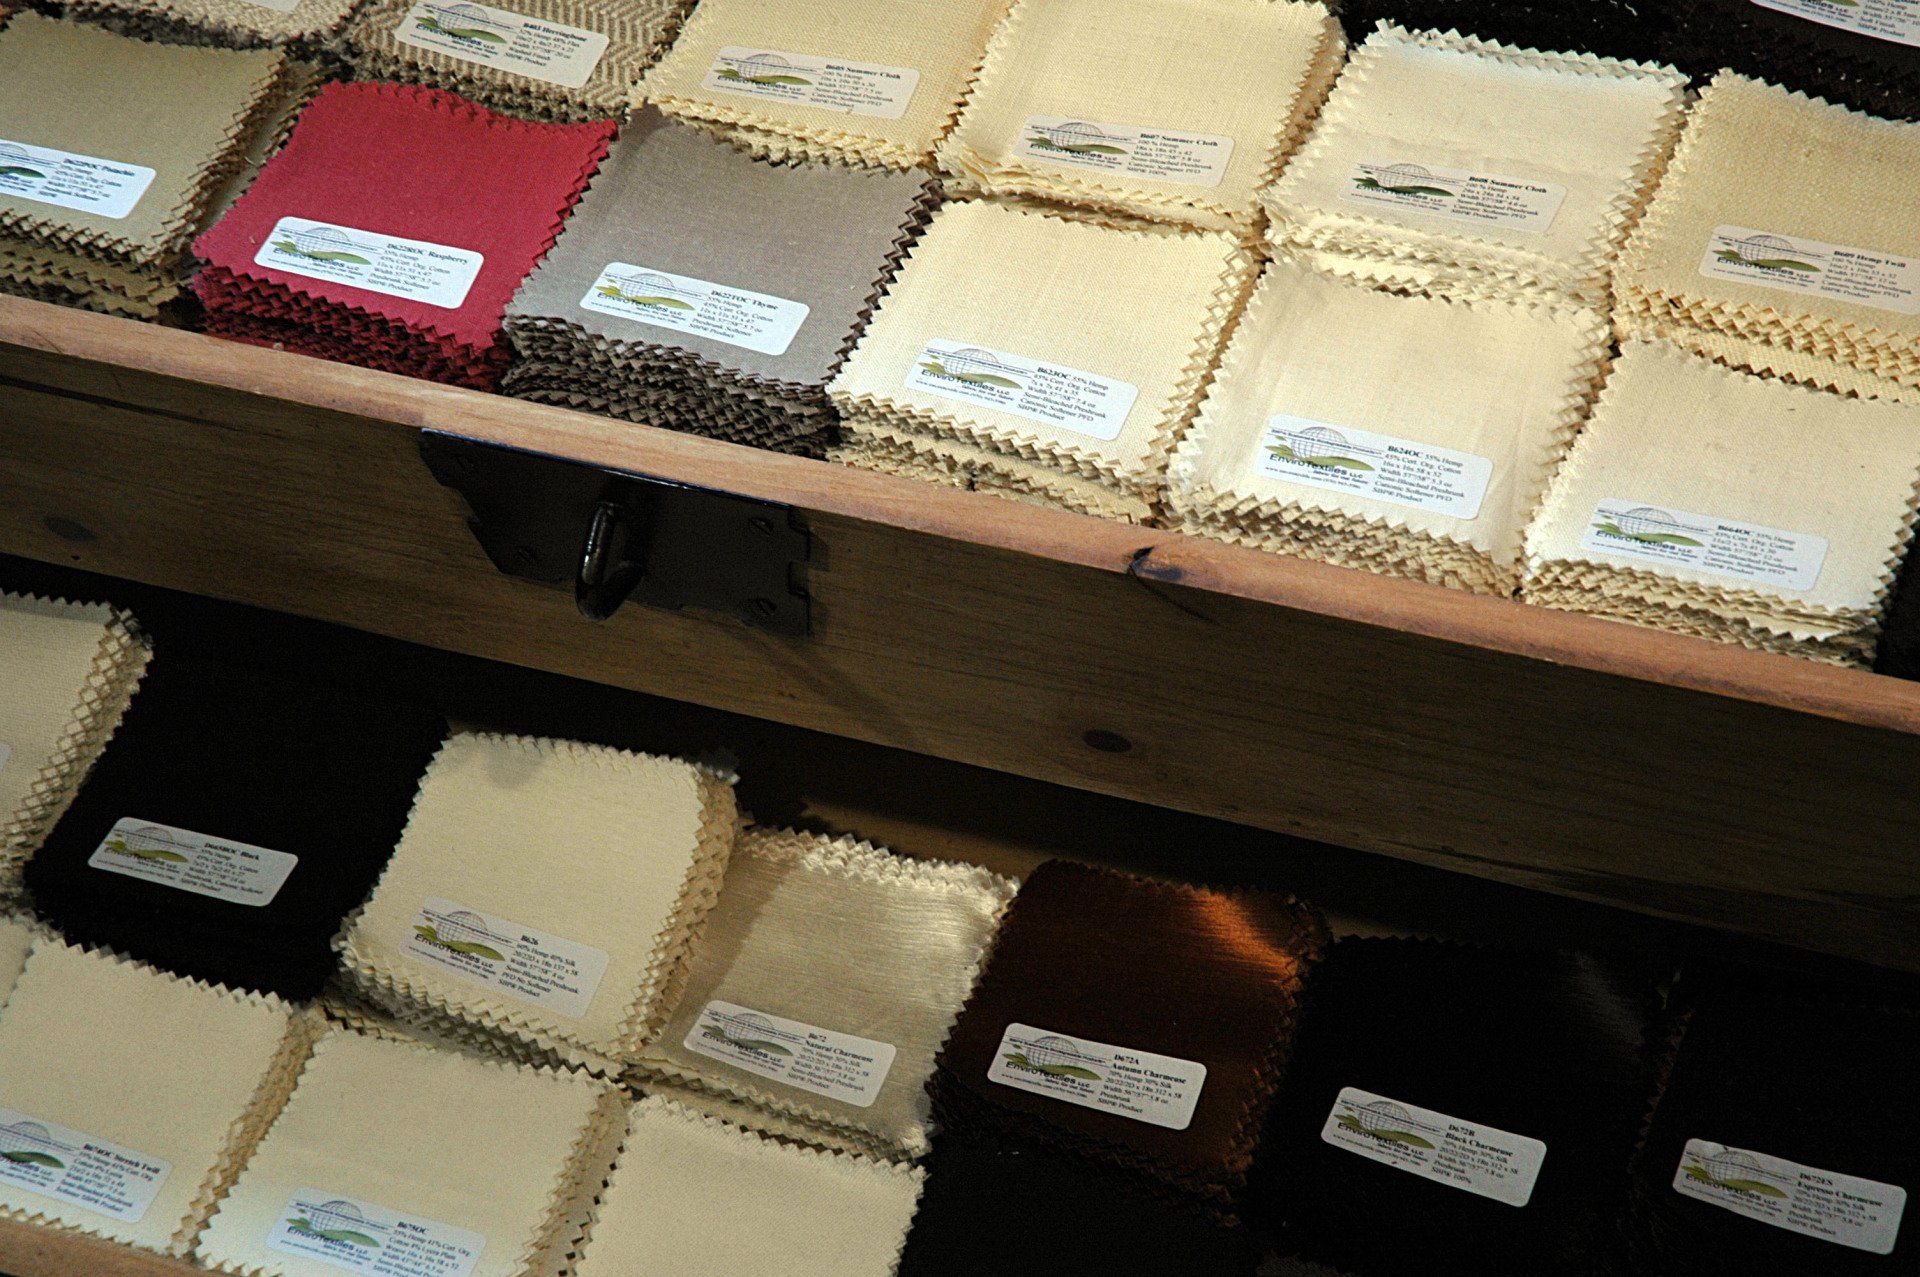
{"x": 1080, "y": 349}
{"x": 180, "y": 1075}
{"x": 630, "y": 850}
{"x": 834, "y": 935}
{"x": 1082, "y": 67}
{"x": 754, "y": 70}
{"x": 305, "y": 26}
{"x": 1679, "y": 448}
{"x": 237, "y": 819}
{"x": 693, "y": 1195}
{"x": 1825, "y": 52}
{"x": 1522, "y": 1046}
{"x": 503, "y": 1159}
{"x": 1479, "y": 163}
{"x": 1289, "y": 450}
{"x": 1630, "y": 29}
{"x": 1090, "y": 962}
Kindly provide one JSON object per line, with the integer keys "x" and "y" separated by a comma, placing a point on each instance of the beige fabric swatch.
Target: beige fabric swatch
{"x": 1744, "y": 353}
{"x": 236, "y": 24}
{"x": 696, "y": 1197}
{"x": 16, "y": 942}
{"x": 893, "y": 447}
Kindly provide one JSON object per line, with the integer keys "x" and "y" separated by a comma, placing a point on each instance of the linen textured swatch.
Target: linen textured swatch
{"x": 1862, "y": 55}
{"x": 304, "y": 27}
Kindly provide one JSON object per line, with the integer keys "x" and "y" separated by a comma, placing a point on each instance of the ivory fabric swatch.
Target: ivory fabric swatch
{"x": 484, "y": 1157}
{"x": 304, "y": 26}
{"x": 875, "y": 952}
{"x": 1671, "y": 510}
{"x": 610, "y": 860}
{"x": 695, "y": 1196}
{"x": 180, "y": 1077}
{"x": 1116, "y": 104}
{"x": 1044, "y": 351}
{"x": 758, "y": 70}
{"x": 1865, "y": 56}
{"x": 1459, "y": 165}
{"x": 1411, "y": 436}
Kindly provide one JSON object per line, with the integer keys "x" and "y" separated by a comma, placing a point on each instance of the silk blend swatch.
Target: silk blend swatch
{"x": 1865, "y": 56}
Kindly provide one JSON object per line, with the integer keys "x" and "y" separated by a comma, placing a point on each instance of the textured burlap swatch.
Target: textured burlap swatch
{"x": 1063, "y": 355}
{"x": 1458, "y": 165}
{"x": 1672, "y": 509}
{"x": 1817, "y": 260}
{"x": 871, "y": 952}
{"x": 67, "y": 673}
{"x": 871, "y": 80}
{"x": 1865, "y": 55}
{"x": 178, "y": 1077}
{"x": 476, "y": 1155}
{"x": 699, "y": 288}
{"x": 692, "y": 1195}
{"x": 1406, "y": 435}
{"x": 303, "y": 26}
{"x": 610, "y": 860}
{"x": 1612, "y": 28}
{"x": 1117, "y": 104}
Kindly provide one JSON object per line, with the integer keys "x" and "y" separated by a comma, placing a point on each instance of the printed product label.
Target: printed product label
{"x": 182, "y": 859}
{"x": 1794, "y": 265}
{"x": 548, "y": 970}
{"x": 1083, "y": 402}
{"x": 1515, "y": 203}
{"x": 1785, "y": 560}
{"x": 1191, "y": 159}
{"x": 831, "y": 84}
{"x": 1895, "y": 20}
{"x": 363, "y": 1238}
{"x": 752, "y": 321}
{"x": 418, "y": 271}
{"x": 76, "y": 1168}
{"x": 1343, "y": 459}
{"x": 82, "y": 182}
{"x": 1859, "y": 1213}
{"x": 513, "y": 42}
{"x": 1446, "y": 1150}
{"x": 836, "y": 1065}
{"x": 1159, "y": 1090}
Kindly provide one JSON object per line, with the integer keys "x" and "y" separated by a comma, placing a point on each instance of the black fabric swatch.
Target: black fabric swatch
{"x": 994, "y": 1205}
{"x": 1629, "y": 29}
{"x": 234, "y": 753}
{"x": 1880, "y": 77}
{"x": 1898, "y": 653}
{"x": 1547, "y": 1046}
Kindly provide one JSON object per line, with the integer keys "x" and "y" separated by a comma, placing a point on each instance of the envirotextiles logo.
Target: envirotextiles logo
{"x": 1404, "y": 179}
{"x": 973, "y": 366}
{"x": 1649, "y": 525}
{"x": 763, "y": 68}
{"x": 150, "y": 843}
{"x": 31, "y": 1144}
{"x": 464, "y": 22}
{"x": 1387, "y": 1122}
{"x": 462, "y": 932}
{"x": 753, "y": 1033}
{"x": 1076, "y": 138}
{"x": 1735, "y": 1171}
{"x": 646, "y": 288}
{"x": 1321, "y": 447}
{"x": 335, "y": 1221}
{"x": 1055, "y": 1057}
{"x": 17, "y": 161}
{"x": 325, "y": 244}
{"x": 1768, "y": 253}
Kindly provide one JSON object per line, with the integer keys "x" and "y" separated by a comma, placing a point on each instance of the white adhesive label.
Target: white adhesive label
{"x": 1895, "y": 20}
{"x": 232, "y": 871}
{"x": 1479, "y": 1159}
{"x": 547, "y": 970}
{"x": 1160, "y": 1090}
{"x": 839, "y": 1066}
{"x": 1342, "y": 459}
{"x": 830, "y": 84}
{"x": 1843, "y": 1209}
{"x": 361, "y": 1237}
{"x": 1791, "y": 264}
{"x": 1190, "y": 159}
{"x": 73, "y": 1167}
{"x": 1490, "y": 199}
{"x": 84, "y": 183}
{"x": 750, "y": 320}
{"x": 546, "y": 51}
{"x": 1083, "y": 402}
{"x": 414, "y": 269}
{"x": 1745, "y": 551}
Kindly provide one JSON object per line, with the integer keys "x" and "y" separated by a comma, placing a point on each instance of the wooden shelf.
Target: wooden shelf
{"x": 1668, "y": 775}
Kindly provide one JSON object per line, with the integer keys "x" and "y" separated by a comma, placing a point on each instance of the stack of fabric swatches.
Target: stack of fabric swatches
{"x": 1859, "y": 53}
{"x": 1116, "y": 105}
{"x": 1808, "y": 270}
{"x": 106, "y": 166}
{"x": 1630, "y": 29}
{"x": 306, "y": 27}
{"x": 701, "y": 289}
{"x": 1457, "y": 165}
{"x": 1720, "y": 504}
{"x": 392, "y": 230}
{"x": 1041, "y": 358}
{"x": 1407, "y": 435}
{"x": 870, "y": 80}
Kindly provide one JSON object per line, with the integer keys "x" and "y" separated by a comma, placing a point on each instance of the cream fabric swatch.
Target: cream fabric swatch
{"x": 510, "y": 1153}
{"x": 696, "y": 1197}
{"x": 619, "y": 852}
{"x": 1155, "y": 64}
{"x": 1747, "y": 354}
{"x": 839, "y": 935}
{"x": 16, "y": 942}
{"x": 170, "y": 1068}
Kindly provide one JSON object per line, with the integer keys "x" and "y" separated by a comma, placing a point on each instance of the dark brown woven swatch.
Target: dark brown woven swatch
{"x": 1610, "y": 28}
{"x": 1880, "y": 77}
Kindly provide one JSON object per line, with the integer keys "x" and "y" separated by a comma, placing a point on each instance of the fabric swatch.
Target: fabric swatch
{"x": 17, "y": 935}
{"x": 306, "y": 27}
{"x": 1863, "y": 56}
{"x": 1898, "y": 652}
{"x": 1631, "y": 29}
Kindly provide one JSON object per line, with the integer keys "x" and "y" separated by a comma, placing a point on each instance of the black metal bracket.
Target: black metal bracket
{"x": 612, "y": 536}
